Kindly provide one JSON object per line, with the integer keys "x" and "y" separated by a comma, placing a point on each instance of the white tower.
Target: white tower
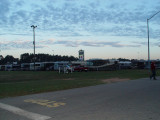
{"x": 81, "y": 55}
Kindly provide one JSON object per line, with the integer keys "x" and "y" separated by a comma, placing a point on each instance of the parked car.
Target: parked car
{"x": 81, "y": 68}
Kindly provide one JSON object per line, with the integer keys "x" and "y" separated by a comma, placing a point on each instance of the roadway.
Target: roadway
{"x": 129, "y": 100}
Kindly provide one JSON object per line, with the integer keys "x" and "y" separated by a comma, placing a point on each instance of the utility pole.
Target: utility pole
{"x": 34, "y": 42}
{"x": 148, "y": 38}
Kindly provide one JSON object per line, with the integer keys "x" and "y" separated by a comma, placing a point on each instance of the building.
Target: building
{"x": 81, "y": 55}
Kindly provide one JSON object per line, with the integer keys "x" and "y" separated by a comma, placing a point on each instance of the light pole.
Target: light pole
{"x": 53, "y": 55}
{"x": 34, "y": 42}
{"x": 138, "y": 55}
{"x": 148, "y": 38}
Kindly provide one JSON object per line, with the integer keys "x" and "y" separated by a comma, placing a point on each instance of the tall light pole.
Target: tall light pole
{"x": 148, "y": 38}
{"x": 34, "y": 42}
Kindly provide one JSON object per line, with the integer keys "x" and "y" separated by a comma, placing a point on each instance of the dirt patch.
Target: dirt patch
{"x": 112, "y": 80}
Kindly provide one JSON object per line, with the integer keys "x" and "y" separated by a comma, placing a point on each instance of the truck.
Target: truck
{"x": 80, "y": 68}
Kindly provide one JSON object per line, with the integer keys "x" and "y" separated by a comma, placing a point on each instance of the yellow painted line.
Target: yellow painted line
{"x": 47, "y": 103}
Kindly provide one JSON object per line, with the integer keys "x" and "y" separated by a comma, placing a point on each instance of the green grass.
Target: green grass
{"x": 15, "y": 83}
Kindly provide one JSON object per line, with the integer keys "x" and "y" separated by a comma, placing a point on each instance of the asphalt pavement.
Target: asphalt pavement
{"x": 129, "y": 100}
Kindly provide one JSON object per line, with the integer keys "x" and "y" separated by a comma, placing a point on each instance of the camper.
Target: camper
{"x": 125, "y": 65}
{"x": 60, "y": 65}
{"x": 2, "y": 67}
{"x": 16, "y": 67}
{"x": 48, "y": 66}
{"x": 38, "y": 66}
{"x": 5, "y": 67}
{"x": 25, "y": 66}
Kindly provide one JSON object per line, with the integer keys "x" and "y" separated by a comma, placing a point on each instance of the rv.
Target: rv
{"x": 48, "y": 66}
{"x": 38, "y": 66}
{"x": 2, "y": 67}
{"x": 60, "y": 65}
{"x": 5, "y": 67}
{"x": 25, "y": 66}
{"x": 125, "y": 65}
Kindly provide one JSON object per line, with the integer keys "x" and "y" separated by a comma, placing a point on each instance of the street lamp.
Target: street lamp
{"x": 34, "y": 42}
{"x": 148, "y": 37}
{"x": 53, "y": 55}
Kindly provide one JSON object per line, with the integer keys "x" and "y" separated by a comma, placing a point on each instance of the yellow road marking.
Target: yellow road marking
{"x": 47, "y": 103}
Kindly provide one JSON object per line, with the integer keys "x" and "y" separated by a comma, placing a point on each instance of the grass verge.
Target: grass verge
{"x": 16, "y": 83}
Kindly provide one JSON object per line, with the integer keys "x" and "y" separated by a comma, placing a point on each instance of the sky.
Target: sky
{"x": 102, "y": 28}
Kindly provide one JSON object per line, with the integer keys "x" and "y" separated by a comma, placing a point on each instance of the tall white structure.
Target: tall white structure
{"x": 81, "y": 55}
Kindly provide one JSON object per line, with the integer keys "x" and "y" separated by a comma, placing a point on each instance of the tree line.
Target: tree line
{"x": 29, "y": 58}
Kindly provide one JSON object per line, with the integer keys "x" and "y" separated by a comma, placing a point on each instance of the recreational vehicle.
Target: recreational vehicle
{"x": 25, "y": 66}
{"x": 38, "y": 66}
{"x": 125, "y": 65}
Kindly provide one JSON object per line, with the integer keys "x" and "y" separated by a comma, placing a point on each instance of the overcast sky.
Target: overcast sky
{"x": 102, "y": 28}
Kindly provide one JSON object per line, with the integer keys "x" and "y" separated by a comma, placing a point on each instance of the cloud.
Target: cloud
{"x": 154, "y": 44}
{"x": 20, "y": 3}
{"x": 94, "y": 44}
{"x": 4, "y": 10}
{"x": 95, "y": 17}
{"x": 8, "y": 45}
{"x": 19, "y": 44}
{"x": 68, "y": 43}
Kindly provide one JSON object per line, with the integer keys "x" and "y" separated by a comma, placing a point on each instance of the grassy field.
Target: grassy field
{"x": 15, "y": 83}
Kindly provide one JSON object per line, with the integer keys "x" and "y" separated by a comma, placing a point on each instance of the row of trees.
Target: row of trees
{"x": 28, "y": 58}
